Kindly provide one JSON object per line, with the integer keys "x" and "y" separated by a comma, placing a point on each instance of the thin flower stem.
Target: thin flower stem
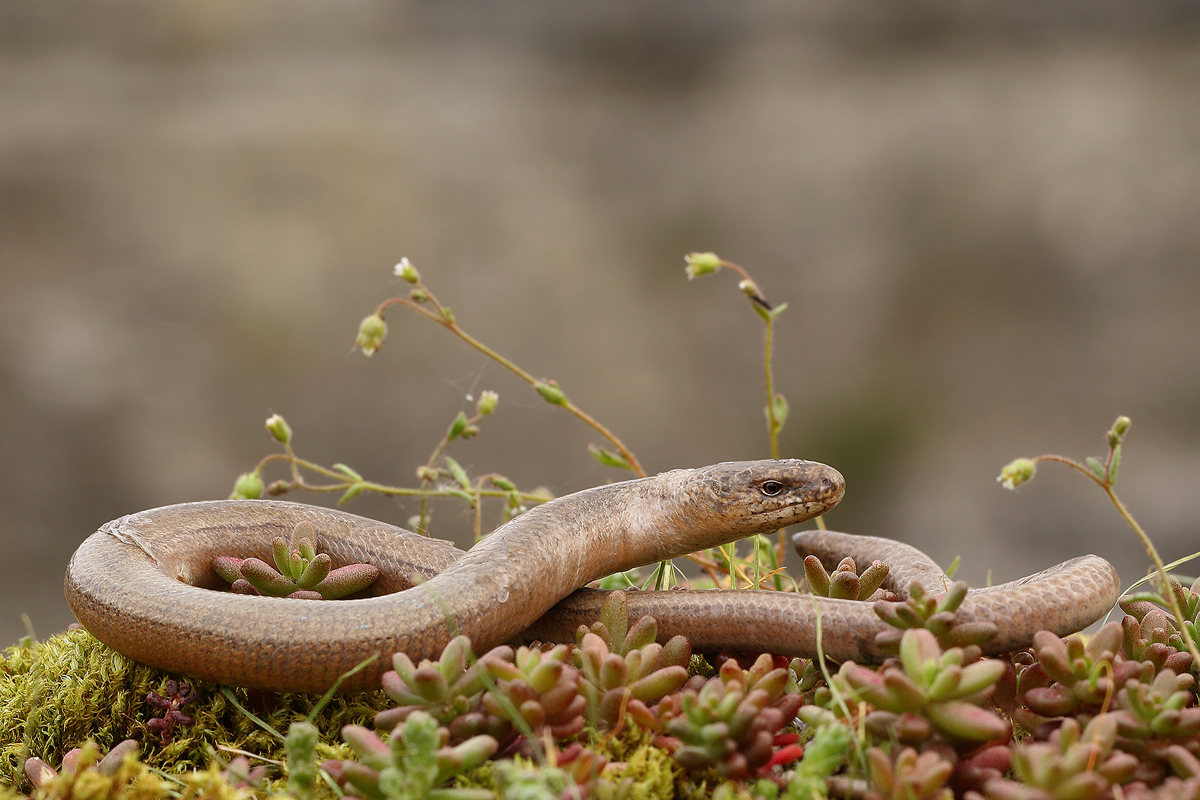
{"x": 431, "y": 464}
{"x": 298, "y": 482}
{"x": 1107, "y": 486}
{"x": 447, "y": 321}
{"x": 1073, "y": 464}
{"x": 441, "y": 316}
{"x": 745, "y": 276}
{"x": 773, "y": 425}
{"x": 772, "y": 419}
{"x": 478, "y": 510}
{"x": 1158, "y": 565}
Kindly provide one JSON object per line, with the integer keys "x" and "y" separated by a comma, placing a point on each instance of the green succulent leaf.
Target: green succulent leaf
{"x": 458, "y": 426}
{"x": 608, "y": 458}
{"x": 348, "y": 472}
{"x": 458, "y": 473}
{"x": 354, "y": 491}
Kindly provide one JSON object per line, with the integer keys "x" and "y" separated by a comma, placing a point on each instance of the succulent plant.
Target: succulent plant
{"x": 1152, "y": 717}
{"x": 730, "y": 721}
{"x": 583, "y": 764}
{"x": 489, "y": 695}
{"x": 927, "y": 690}
{"x": 809, "y": 680}
{"x": 542, "y": 687}
{"x": 1072, "y": 765}
{"x": 1189, "y": 600}
{"x": 1183, "y": 785}
{"x": 523, "y": 780}
{"x": 623, "y": 670}
{"x": 823, "y": 755}
{"x": 177, "y": 695}
{"x": 447, "y": 688}
{"x": 239, "y": 774}
{"x": 907, "y": 775}
{"x": 88, "y": 772}
{"x": 1152, "y": 637}
{"x": 937, "y": 615}
{"x": 1074, "y": 677}
{"x": 574, "y": 773}
{"x": 1159, "y": 626}
{"x": 300, "y": 572}
{"x": 844, "y": 582}
{"x": 416, "y": 760}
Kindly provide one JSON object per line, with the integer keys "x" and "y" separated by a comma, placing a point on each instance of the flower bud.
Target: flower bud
{"x": 248, "y": 486}
{"x": 418, "y": 296}
{"x": 701, "y": 264}
{"x": 1016, "y": 473}
{"x": 406, "y": 270}
{"x": 551, "y": 393}
{"x": 426, "y": 474}
{"x": 371, "y": 332}
{"x": 1118, "y": 431}
{"x": 277, "y": 426}
{"x": 457, "y": 427}
{"x": 487, "y": 403}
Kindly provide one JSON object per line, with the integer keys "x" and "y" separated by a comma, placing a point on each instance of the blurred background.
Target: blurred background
{"x": 983, "y": 220}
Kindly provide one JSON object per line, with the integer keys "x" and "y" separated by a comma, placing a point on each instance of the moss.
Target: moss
{"x": 56, "y": 694}
{"x": 655, "y": 774}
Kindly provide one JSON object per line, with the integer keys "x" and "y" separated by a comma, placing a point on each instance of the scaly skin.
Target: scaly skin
{"x": 1064, "y": 599}
{"x": 141, "y": 583}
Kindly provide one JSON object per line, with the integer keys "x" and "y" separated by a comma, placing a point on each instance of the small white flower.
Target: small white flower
{"x": 407, "y": 271}
{"x": 1016, "y": 473}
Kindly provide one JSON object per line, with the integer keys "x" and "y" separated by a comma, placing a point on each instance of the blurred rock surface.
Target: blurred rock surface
{"x": 983, "y": 221}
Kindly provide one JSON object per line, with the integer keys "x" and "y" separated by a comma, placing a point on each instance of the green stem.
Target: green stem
{"x": 1169, "y": 595}
{"x": 772, "y": 419}
{"x": 431, "y": 464}
{"x": 448, "y": 322}
{"x": 1158, "y": 565}
{"x": 369, "y": 486}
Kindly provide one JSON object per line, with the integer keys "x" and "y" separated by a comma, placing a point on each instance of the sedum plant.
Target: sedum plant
{"x": 729, "y": 722}
{"x": 501, "y": 694}
{"x": 623, "y": 670}
{"x": 927, "y": 690}
{"x": 935, "y": 614}
{"x": 300, "y": 572}
{"x": 1074, "y": 764}
{"x": 415, "y": 761}
{"x": 1148, "y": 625}
{"x": 844, "y": 582}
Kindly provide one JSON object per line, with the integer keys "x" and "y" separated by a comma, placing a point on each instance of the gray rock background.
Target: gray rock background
{"x": 984, "y": 223}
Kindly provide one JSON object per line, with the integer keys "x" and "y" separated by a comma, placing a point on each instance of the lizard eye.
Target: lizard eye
{"x": 770, "y": 488}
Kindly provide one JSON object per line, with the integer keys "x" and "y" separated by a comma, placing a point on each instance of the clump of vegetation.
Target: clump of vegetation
{"x": 623, "y": 670}
{"x": 300, "y": 572}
